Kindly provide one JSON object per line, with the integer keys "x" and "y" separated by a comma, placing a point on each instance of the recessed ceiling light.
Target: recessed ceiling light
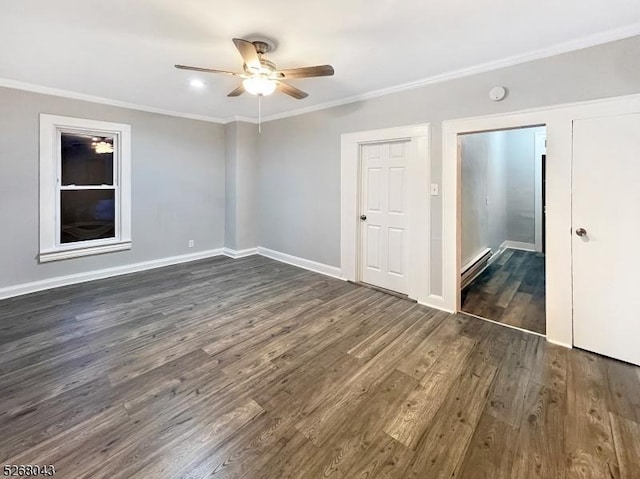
{"x": 195, "y": 83}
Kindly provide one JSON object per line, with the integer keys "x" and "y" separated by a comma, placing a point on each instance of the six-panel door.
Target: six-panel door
{"x": 384, "y": 224}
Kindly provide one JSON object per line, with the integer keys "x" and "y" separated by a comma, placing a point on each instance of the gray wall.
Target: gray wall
{"x": 241, "y": 185}
{"x": 497, "y": 189}
{"x": 178, "y": 190}
{"x": 247, "y": 166}
{"x": 300, "y": 156}
{"x": 520, "y": 154}
{"x": 483, "y": 193}
{"x": 231, "y": 147}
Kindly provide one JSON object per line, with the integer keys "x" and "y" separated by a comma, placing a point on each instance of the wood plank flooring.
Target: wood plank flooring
{"x": 511, "y": 291}
{"x": 251, "y": 368}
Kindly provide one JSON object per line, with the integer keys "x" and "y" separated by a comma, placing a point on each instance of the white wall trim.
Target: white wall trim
{"x": 497, "y": 254}
{"x": 45, "y": 90}
{"x": 61, "y": 254}
{"x": 527, "y": 331}
{"x": 473, "y": 260}
{"x": 51, "y": 127}
{"x": 559, "y": 122}
{"x": 518, "y": 245}
{"x": 436, "y": 302}
{"x": 539, "y": 149}
{"x": 539, "y": 54}
{"x": 419, "y": 203}
{"x": 237, "y": 118}
{"x": 558, "y": 343}
{"x": 301, "y": 262}
{"x": 58, "y": 281}
{"x": 235, "y": 254}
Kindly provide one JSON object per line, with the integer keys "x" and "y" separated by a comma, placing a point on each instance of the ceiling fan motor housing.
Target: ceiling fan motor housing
{"x": 262, "y": 46}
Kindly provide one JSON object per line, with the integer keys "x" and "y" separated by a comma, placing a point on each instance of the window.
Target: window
{"x": 85, "y": 187}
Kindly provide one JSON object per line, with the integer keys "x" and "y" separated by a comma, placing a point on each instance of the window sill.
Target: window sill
{"x": 58, "y": 255}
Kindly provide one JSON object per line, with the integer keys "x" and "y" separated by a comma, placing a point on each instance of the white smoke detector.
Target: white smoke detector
{"x": 498, "y": 93}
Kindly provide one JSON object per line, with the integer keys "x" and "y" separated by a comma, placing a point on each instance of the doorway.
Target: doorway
{"x": 385, "y": 210}
{"x": 502, "y": 218}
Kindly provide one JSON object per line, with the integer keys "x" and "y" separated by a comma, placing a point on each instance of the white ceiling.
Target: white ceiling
{"x": 125, "y": 50}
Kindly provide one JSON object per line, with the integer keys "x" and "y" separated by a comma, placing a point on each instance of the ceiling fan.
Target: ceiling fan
{"x": 261, "y": 77}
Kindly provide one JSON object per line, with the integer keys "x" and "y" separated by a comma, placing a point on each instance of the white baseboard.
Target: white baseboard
{"x": 301, "y": 262}
{"x": 58, "y": 281}
{"x": 559, "y": 343}
{"x": 518, "y": 245}
{"x": 67, "y": 280}
{"x": 496, "y": 255}
{"x": 235, "y": 254}
{"x": 435, "y": 302}
{"x": 473, "y": 260}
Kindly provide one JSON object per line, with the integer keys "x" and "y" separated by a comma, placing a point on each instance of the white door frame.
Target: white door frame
{"x": 419, "y": 165}
{"x": 539, "y": 146}
{"x": 559, "y": 122}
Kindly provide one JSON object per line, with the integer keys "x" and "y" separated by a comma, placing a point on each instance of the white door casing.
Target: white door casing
{"x": 417, "y": 183}
{"x": 558, "y": 272}
{"x": 540, "y": 148}
{"x": 384, "y": 202}
{"x": 606, "y": 174}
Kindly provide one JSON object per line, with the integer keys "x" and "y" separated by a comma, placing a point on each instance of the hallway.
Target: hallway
{"x": 511, "y": 291}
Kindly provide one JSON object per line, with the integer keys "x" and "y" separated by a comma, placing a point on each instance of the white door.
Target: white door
{"x": 384, "y": 221}
{"x": 606, "y": 257}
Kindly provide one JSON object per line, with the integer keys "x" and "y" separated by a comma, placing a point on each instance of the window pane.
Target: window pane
{"x": 86, "y": 159}
{"x": 87, "y": 215}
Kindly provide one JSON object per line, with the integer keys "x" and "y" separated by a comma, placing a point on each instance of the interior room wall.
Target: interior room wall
{"x": 230, "y": 155}
{"x": 520, "y": 162}
{"x": 247, "y": 165}
{"x": 178, "y": 186}
{"x": 497, "y": 190}
{"x": 299, "y": 208}
{"x": 241, "y": 178}
{"x": 483, "y": 193}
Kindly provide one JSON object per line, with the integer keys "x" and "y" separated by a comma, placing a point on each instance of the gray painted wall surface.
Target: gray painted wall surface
{"x": 230, "y": 154}
{"x": 498, "y": 189}
{"x": 483, "y": 193}
{"x": 300, "y": 156}
{"x": 520, "y": 155}
{"x": 241, "y": 185}
{"x": 178, "y": 190}
{"x": 247, "y": 166}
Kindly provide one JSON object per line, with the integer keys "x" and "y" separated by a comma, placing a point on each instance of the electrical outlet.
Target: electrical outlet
{"x": 435, "y": 190}
{"x": 191, "y": 243}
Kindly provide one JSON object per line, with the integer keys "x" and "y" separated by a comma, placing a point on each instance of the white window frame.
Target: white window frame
{"x": 51, "y": 127}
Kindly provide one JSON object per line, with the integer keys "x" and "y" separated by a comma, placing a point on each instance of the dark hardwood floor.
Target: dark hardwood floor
{"x": 252, "y": 368}
{"x": 511, "y": 291}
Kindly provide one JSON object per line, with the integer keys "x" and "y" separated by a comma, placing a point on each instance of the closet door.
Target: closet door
{"x": 606, "y": 236}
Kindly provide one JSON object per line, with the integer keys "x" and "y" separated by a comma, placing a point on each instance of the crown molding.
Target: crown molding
{"x": 539, "y": 54}
{"x": 18, "y": 85}
{"x": 557, "y": 49}
{"x": 237, "y": 118}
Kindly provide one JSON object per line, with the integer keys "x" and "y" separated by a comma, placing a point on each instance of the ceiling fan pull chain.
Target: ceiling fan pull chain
{"x": 259, "y": 113}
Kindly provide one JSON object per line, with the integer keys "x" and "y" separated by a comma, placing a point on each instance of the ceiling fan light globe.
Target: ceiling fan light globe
{"x": 259, "y": 86}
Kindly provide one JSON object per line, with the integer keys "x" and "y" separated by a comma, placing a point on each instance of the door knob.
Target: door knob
{"x": 581, "y": 232}
{"x": 363, "y": 217}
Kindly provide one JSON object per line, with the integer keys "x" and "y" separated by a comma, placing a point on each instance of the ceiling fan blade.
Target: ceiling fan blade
{"x": 205, "y": 70}
{"x": 238, "y": 91}
{"x": 291, "y": 91}
{"x": 248, "y": 52}
{"x": 307, "y": 72}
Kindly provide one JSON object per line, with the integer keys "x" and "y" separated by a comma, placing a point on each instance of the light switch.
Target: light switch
{"x": 435, "y": 189}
